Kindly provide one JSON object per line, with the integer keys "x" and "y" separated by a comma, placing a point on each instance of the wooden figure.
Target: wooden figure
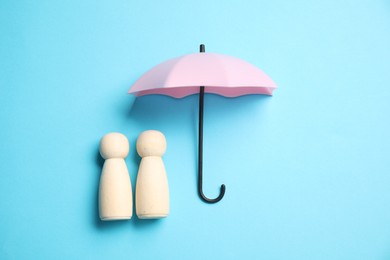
{"x": 152, "y": 193}
{"x": 115, "y": 193}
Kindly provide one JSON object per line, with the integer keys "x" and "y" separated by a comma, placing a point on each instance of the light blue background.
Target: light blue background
{"x": 307, "y": 171}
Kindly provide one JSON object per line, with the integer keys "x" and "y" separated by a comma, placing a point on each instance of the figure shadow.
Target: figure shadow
{"x": 144, "y": 223}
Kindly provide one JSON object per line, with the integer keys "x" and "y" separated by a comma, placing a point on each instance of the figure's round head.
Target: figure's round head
{"x": 151, "y": 143}
{"x": 114, "y": 145}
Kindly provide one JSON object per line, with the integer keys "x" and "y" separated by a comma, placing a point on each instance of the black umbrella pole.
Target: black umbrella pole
{"x": 200, "y": 155}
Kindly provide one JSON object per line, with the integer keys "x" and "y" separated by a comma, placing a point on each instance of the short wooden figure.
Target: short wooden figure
{"x": 152, "y": 193}
{"x": 115, "y": 193}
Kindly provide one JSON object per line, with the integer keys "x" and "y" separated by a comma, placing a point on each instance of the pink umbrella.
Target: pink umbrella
{"x": 199, "y": 73}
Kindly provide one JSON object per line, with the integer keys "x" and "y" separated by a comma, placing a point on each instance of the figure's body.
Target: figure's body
{"x": 152, "y": 192}
{"x": 115, "y": 192}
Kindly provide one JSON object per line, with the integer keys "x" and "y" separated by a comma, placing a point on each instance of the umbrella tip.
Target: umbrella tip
{"x": 202, "y": 48}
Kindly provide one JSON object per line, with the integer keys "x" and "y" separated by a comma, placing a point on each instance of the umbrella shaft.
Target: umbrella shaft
{"x": 200, "y": 146}
{"x": 200, "y": 155}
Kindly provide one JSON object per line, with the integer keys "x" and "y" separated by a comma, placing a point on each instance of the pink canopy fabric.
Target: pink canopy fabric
{"x": 219, "y": 74}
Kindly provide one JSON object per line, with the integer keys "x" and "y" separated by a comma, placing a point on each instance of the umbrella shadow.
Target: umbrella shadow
{"x": 164, "y": 112}
{"x": 220, "y": 107}
{"x": 158, "y": 110}
{"x": 221, "y": 113}
{"x": 171, "y": 114}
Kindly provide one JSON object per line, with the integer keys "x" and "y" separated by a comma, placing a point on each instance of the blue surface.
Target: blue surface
{"x": 307, "y": 171}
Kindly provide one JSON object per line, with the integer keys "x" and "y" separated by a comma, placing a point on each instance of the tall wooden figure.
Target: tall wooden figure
{"x": 152, "y": 193}
{"x": 115, "y": 193}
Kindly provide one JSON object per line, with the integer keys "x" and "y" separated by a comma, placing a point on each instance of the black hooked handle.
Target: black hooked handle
{"x": 200, "y": 149}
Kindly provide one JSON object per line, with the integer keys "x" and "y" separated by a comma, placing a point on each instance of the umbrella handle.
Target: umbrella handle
{"x": 200, "y": 156}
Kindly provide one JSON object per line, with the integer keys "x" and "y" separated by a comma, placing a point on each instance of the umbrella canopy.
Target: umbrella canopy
{"x": 219, "y": 74}
{"x": 204, "y": 73}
